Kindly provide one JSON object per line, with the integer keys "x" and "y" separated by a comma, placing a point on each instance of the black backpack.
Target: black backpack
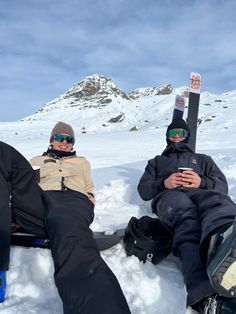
{"x": 147, "y": 239}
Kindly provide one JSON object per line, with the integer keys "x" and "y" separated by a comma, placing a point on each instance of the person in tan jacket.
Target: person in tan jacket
{"x": 60, "y": 168}
{"x": 85, "y": 283}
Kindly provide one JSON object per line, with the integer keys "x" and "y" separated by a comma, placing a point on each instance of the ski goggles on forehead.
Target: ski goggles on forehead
{"x": 60, "y": 138}
{"x": 180, "y": 132}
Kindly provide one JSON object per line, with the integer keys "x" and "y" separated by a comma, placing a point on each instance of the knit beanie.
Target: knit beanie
{"x": 62, "y": 128}
{"x": 178, "y": 124}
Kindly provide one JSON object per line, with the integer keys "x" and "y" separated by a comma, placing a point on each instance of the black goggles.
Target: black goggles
{"x": 60, "y": 138}
{"x": 174, "y": 132}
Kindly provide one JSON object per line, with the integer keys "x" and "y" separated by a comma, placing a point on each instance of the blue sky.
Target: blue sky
{"x": 47, "y": 46}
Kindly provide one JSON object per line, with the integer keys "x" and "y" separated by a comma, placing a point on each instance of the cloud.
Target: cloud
{"x": 48, "y": 46}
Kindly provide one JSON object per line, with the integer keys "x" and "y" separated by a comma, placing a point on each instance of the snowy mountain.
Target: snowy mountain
{"x": 98, "y": 105}
{"x": 94, "y": 91}
{"x": 102, "y": 116}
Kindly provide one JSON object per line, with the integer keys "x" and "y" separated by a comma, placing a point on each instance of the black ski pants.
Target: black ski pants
{"x": 18, "y": 186}
{"x": 84, "y": 281}
{"x": 193, "y": 216}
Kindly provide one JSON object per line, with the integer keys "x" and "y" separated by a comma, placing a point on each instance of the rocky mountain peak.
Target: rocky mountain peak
{"x": 95, "y": 91}
{"x": 95, "y": 88}
{"x": 151, "y": 91}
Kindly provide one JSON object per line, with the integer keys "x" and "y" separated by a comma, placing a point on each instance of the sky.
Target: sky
{"x": 46, "y": 47}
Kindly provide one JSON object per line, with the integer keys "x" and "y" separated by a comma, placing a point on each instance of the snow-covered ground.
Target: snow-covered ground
{"x": 118, "y": 158}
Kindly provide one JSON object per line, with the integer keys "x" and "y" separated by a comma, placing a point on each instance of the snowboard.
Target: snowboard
{"x": 20, "y": 237}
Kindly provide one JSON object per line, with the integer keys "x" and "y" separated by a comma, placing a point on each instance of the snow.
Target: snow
{"x": 118, "y": 158}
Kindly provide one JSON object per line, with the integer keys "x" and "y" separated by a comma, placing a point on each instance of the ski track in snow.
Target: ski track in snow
{"x": 118, "y": 161}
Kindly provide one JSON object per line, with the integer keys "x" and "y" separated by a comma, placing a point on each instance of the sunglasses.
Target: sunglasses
{"x": 60, "y": 138}
{"x": 180, "y": 132}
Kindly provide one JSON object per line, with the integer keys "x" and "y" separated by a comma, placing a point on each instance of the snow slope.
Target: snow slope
{"x": 118, "y": 158}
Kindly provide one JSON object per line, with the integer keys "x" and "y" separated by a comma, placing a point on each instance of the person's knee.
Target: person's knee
{"x": 173, "y": 202}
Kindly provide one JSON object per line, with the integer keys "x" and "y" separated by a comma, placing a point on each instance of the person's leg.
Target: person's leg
{"x": 27, "y": 202}
{"x": 177, "y": 212}
{"x": 218, "y": 213}
{"x": 17, "y": 179}
{"x": 194, "y": 272}
{"x": 31, "y": 220}
{"x": 85, "y": 283}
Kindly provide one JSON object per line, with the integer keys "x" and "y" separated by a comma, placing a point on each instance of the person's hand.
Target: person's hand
{"x": 174, "y": 180}
{"x": 91, "y": 198}
{"x": 190, "y": 179}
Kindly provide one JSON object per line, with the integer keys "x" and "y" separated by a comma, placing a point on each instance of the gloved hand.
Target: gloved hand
{"x": 2, "y": 285}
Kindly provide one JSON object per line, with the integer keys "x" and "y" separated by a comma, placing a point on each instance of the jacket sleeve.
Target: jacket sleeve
{"x": 213, "y": 178}
{"x": 89, "y": 186}
{"x": 150, "y": 185}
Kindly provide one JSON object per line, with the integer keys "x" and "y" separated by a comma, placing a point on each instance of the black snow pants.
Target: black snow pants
{"x": 193, "y": 216}
{"x": 84, "y": 281}
{"x": 20, "y": 199}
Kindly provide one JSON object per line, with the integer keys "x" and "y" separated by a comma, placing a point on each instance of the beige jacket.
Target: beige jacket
{"x": 71, "y": 172}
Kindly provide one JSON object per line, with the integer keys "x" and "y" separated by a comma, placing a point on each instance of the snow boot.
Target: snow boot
{"x": 2, "y": 285}
{"x": 221, "y": 267}
{"x": 217, "y": 305}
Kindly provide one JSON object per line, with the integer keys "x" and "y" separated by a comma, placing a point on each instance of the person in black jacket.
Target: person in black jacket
{"x": 189, "y": 194}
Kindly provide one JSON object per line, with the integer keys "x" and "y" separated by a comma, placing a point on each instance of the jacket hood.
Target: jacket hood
{"x": 176, "y": 148}
{"x": 178, "y": 124}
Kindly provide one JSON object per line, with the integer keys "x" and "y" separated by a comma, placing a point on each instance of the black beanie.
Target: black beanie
{"x": 178, "y": 124}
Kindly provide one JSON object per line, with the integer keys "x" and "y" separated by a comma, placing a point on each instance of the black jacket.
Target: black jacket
{"x": 174, "y": 156}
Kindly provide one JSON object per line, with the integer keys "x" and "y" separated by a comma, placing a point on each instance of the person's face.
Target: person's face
{"x": 177, "y": 138}
{"x": 177, "y": 135}
{"x": 63, "y": 142}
